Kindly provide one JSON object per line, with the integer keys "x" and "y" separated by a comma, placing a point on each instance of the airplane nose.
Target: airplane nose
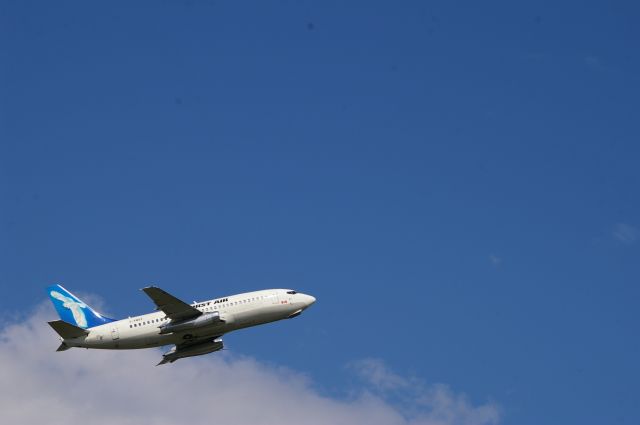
{"x": 309, "y": 300}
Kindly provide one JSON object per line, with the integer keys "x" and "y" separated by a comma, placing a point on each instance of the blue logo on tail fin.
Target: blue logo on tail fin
{"x": 72, "y": 310}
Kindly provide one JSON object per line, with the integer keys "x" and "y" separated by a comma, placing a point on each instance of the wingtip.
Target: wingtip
{"x": 164, "y": 361}
{"x": 63, "y": 347}
{"x": 146, "y": 288}
{"x": 149, "y": 289}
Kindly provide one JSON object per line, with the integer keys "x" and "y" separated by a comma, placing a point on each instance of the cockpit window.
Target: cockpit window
{"x": 291, "y": 292}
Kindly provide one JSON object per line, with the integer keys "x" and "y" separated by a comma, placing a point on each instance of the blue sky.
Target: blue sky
{"x": 456, "y": 182}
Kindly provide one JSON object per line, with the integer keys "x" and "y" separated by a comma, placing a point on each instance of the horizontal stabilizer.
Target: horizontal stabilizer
{"x": 67, "y": 330}
{"x": 63, "y": 347}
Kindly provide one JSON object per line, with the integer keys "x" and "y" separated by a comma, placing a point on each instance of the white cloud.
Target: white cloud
{"x": 625, "y": 233}
{"x": 436, "y": 404}
{"x": 376, "y": 373}
{"x": 125, "y": 387}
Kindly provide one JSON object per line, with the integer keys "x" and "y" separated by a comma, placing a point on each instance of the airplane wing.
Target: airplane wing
{"x": 192, "y": 348}
{"x": 174, "y": 308}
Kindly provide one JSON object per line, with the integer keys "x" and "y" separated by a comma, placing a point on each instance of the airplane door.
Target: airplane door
{"x": 114, "y": 333}
{"x": 274, "y": 298}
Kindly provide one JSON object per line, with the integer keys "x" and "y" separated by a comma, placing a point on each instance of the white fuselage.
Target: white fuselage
{"x": 237, "y": 312}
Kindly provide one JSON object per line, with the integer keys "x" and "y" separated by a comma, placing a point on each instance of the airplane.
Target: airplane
{"x": 193, "y": 329}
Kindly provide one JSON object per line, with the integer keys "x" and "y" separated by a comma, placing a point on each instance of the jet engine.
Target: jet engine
{"x": 207, "y": 319}
{"x": 192, "y": 350}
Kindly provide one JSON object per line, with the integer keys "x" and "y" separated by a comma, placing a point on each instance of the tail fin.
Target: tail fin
{"x": 72, "y": 310}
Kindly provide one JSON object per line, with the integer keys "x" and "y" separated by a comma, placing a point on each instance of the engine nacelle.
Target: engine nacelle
{"x": 207, "y": 319}
{"x": 193, "y": 350}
